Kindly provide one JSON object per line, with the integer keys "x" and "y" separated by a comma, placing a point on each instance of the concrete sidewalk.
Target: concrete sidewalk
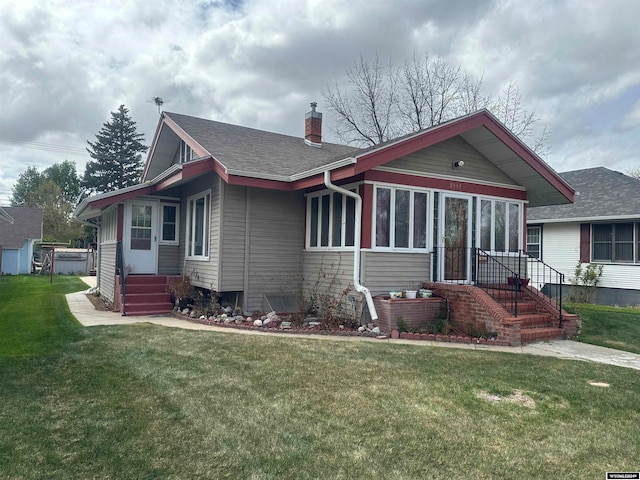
{"x": 88, "y": 316}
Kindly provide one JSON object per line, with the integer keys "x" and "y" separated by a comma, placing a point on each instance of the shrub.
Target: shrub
{"x": 584, "y": 282}
{"x": 401, "y": 324}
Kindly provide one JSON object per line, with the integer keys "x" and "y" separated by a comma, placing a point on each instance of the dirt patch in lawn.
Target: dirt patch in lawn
{"x": 516, "y": 397}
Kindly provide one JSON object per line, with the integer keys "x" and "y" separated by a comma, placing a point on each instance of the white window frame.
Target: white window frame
{"x": 109, "y": 225}
{"x": 392, "y": 217}
{"x": 186, "y": 152}
{"x": 507, "y": 202}
{"x": 538, "y": 243}
{"x": 343, "y": 220}
{"x": 177, "y": 224}
{"x": 191, "y": 225}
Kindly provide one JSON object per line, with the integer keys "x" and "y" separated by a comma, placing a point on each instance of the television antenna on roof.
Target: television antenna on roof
{"x": 158, "y": 101}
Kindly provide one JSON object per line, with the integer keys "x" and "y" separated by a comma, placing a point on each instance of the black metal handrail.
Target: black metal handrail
{"x": 547, "y": 280}
{"x": 501, "y": 278}
{"x": 521, "y": 269}
{"x": 121, "y": 270}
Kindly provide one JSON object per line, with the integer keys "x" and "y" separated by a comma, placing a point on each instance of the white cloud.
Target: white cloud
{"x": 65, "y": 65}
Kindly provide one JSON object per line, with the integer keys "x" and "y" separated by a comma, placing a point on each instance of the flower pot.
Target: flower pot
{"x": 514, "y": 281}
{"x": 411, "y": 293}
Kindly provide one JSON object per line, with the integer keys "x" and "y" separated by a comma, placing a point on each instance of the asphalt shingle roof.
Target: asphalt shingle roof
{"x": 600, "y": 193}
{"x": 27, "y": 225}
{"x": 257, "y": 151}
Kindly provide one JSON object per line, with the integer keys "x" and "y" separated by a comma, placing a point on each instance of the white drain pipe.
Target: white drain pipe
{"x": 358, "y": 238}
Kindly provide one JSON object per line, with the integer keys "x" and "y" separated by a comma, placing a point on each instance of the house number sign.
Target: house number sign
{"x": 455, "y": 185}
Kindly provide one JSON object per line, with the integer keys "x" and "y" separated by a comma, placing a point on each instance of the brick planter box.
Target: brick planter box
{"x": 416, "y": 312}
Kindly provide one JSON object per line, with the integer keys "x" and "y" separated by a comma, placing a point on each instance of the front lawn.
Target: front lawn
{"x": 144, "y": 401}
{"x": 612, "y": 327}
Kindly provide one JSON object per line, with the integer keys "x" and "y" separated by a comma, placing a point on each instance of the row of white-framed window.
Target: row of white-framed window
{"x": 401, "y": 220}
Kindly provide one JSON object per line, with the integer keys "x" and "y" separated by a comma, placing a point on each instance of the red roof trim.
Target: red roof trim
{"x": 418, "y": 142}
{"x": 443, "y": 132}
{"x": 167, "y": 121}
{"x": 443, "y": 184}
{"x": 167, "y": 182}
{"x": 523, "y": 152}
{"x": 105, "y": 202}
{"x": 154, "y": 142}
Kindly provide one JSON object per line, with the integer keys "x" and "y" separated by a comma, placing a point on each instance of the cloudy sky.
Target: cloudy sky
{"x": 65, "y": 65}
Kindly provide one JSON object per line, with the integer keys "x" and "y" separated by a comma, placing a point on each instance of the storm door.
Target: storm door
{"x": 141, "y": 236}
{"x": 455, "y": 239}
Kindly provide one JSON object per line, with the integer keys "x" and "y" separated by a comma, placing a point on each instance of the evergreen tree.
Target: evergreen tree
{"x": 116, "y": 153}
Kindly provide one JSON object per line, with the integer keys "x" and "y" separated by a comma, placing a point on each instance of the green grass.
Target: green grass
{"x": 34, "y": 316}
{"x": 613, "y": 327}
{"x": 145, "y": 401}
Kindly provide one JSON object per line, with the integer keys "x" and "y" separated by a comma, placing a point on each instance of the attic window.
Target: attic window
{"x": 186, "y": 153}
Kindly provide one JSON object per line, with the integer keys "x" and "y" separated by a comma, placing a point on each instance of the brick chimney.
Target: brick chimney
{"x": 313, "y": 127}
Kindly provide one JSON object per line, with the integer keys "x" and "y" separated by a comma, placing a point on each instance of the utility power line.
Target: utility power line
{"x": 51, "y": 147}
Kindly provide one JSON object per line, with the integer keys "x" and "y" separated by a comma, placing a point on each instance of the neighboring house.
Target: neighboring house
{"x": 602, "y": 227}
{"x": 20, "y": 228}
{"x": 5, "y": 216}
{"x": 248, "y": 213}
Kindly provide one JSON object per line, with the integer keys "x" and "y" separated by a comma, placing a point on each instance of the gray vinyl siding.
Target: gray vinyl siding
{"x": 202, "y": 273}
{"x": 107, "y": 269}
{"x": 438, "y": 159}
{"x": 169, "y": 259}
{"x": 385, "y": 271}
{"x": 276, "y": 240}
{"x": 232, "y": 247}
{"x": 330, "y": 272}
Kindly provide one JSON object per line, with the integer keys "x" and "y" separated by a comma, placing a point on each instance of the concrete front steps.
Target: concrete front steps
{"x": 145, "y": 295}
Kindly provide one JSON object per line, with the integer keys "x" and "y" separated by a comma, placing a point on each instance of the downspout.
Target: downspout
{"x": 358, "y": 242}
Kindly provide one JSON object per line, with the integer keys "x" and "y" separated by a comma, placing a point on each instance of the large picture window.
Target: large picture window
{"x": 331, "y": 219}
{"x": 198, "y": 208}
{"x": 400, "y": 218}
{"x": 500, "y": 225}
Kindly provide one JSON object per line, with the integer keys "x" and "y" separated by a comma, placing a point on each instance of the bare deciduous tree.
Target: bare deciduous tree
{"x": 428, "y": 91}
{"x": 366, "y": 111}
{"x": 634, "y": 172}
{"x": 376, "y": 104}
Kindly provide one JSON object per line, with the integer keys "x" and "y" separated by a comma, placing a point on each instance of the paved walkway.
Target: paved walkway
{"x": 88, "y": 316}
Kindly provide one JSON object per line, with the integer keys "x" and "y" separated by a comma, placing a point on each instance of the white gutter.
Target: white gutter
{"x": 602, "y": 218}
{"x": 358, "y": 241}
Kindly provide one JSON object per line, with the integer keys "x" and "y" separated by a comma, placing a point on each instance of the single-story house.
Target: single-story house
{"x": 602, "y": 226}
{"x": 20, "y": 229}
{"x": 250, "y": 213}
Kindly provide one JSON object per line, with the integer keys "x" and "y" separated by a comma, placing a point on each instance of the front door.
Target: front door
{"x": 455, "y": 239}
{"x": 141, "y": 236}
